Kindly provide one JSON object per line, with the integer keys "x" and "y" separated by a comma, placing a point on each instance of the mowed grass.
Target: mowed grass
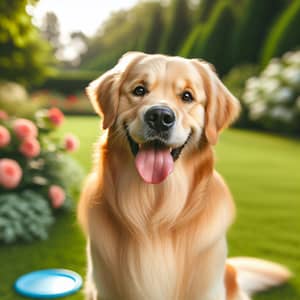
{"x": 263, "y": 174}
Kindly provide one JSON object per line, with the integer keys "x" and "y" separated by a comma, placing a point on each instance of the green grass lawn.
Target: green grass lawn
{"x": 263, "y": 174}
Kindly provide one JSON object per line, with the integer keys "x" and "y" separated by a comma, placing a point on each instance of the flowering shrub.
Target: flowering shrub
{"x": 273, "y": 98}
{"x": 37, "y": 176}
{"x": 15, "y": 101}
{"x": 55, "y": 116}
{"x": 235, "y": 81}
{"x": 4, "y": 137}
{"x": 10, "y": 173}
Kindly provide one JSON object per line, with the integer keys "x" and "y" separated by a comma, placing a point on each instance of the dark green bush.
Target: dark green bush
{"x": 252, "y": 27}
{"x": 178, "y": 27}
{"x": 285, "y": 34}
{"x": 152, "y": 36}
{"x": 24, "y": 216}
{"x": 189, "y": 48}
{"x": 205, "y": 9}
{"x": 214, "y": 45}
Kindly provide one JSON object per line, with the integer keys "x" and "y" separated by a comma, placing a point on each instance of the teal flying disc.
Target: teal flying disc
{"x": 48, "y": 284}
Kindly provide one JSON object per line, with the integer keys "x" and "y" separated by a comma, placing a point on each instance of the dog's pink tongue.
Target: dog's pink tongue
{"x": 154, "y": 165}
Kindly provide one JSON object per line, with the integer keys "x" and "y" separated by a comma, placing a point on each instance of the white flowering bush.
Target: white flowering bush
{"x": 273, "y": 98}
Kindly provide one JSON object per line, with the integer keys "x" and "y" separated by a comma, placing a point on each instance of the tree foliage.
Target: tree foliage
{"x": 177, "y": 28}
{"x": 191, "y": 45}
{"x": 252, "y": 28}
{"x": 225, "y": 32}
{"x": 155, "y": 27}
{"x": 50, "y": 30}
{"x": 24, "y": 55}
{"x": 214, "y": 44}
{"x": 204, "y": 10}
{"x": 285, "y": 34}
{"x": 112, "y": 40}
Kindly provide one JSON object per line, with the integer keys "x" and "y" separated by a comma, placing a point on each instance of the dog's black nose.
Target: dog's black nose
{"x": 160, "y": 118}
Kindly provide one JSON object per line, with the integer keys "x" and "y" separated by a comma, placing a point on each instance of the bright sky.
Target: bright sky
{"x": 80, "y": 15}
{"x": 77, "y": 15}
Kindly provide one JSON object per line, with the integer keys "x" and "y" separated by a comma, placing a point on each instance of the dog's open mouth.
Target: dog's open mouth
{"x": 154, "y": 160}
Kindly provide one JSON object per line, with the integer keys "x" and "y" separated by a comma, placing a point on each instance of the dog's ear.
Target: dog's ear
{"x": 104, "y": 96}
{"x": 104, "y": 92}
{"x": 222, "y": 108}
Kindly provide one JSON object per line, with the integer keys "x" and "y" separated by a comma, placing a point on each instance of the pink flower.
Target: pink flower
{"x": 54, "y": 102}
{"x": 71, "y": 142}
{"x": 55, "y": 116}
{"x": 3, "y": 115}
{"x": 72, "y": 98}
{"x": 10, "y": 173}
{"x": 25, "y": 128}
{"x": 57, "y": 196}
{"x": 30, "y": 147}
{"x": 4, "y": 137}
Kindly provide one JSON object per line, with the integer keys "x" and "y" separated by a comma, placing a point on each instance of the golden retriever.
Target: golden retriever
{"x": 154, "y": 210}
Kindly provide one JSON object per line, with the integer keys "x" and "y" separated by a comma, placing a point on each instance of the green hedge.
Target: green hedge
{"x": 70, "y": 82}
{"x": 189, "y": 48}
{"x": 153, "y": 34}
{"x": 205, "y": 8}
{"x": 178, "y": 27}
{"x": 285, "y": 34}
{"x": 215, "y": 42}
{"x": 252, "y": 27}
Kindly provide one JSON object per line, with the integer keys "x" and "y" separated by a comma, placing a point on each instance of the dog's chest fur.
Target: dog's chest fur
{"x": 158, "y": 269}
{"x": 142, "y": 258}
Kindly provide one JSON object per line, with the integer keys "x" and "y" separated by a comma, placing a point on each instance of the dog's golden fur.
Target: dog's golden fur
{"x": 165, "y": 241}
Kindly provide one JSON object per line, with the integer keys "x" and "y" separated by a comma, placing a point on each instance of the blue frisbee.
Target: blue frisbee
{"x": 49, "y": 283}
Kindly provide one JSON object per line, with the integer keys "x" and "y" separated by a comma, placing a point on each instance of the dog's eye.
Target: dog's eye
{"x": 140, "y": 91}
{"x": 186, "y": 96}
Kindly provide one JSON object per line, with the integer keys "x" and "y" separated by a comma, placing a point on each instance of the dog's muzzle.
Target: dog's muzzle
{"x": 154, "y": 159}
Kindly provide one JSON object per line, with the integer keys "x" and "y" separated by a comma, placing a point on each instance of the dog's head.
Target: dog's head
{"x": 164, "y": 106}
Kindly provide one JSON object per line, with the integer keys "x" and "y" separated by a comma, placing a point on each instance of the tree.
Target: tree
{"x": 152, "y": 37}
{"x": 24, "y": 57}
{"x": 285, "y": 34}
{"x": 122, "y": 31}
{"x": 252, "y": 28}
{"x": 189, "y": 48}
{"x": 205, "y": 7}
{"x": 215, "y": 42}
{"x": 177, "y": 28}
{"x": 50, "y": 30}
